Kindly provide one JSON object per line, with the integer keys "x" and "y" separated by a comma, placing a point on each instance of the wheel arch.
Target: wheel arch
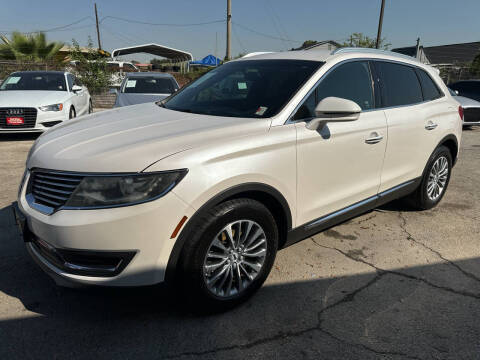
{"x": 266, "y": 194}
{"x": 451, "y": 142}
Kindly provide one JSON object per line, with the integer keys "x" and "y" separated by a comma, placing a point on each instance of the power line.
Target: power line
{"x": 238, "y": 40}
{"x": 160, "y": 24}
{"x": 265, "y": 35}
{"x": 57, "y": 28}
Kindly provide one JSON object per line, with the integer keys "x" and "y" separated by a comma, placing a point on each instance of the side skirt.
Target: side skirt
{"x": 314, "y": 227}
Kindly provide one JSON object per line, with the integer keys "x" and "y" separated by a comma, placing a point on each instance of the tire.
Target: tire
{"x": 90, "y": 106}
{"x": 423, "y": 198}
{"x": 197, "y": 285}
{"x": 72, "y": 113}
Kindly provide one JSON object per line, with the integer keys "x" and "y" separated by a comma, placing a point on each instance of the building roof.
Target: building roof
{"x": 446, "y": 54}
{"x": 154, "y": 49}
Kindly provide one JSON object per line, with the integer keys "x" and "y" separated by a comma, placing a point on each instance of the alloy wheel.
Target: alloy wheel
{"x": 234, "y": 258}
{"x": 437, "y": 179}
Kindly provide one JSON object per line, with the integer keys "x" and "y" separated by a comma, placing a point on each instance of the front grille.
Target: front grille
{"x": 29, "y": 117}
{"x": 471, "y": 115}
{"x": 51, "y": 188}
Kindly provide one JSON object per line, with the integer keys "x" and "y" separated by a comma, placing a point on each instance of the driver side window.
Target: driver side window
{"x": 351, "y": 81}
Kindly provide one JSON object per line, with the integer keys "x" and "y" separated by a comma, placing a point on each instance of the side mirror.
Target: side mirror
{"x": 113, "y": 91}
{"x": 76, "y": 88}
{"x": 333, "y": 109}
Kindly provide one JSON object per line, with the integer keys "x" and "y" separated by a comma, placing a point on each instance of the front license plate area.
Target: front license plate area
{"x": 15, "y": 120}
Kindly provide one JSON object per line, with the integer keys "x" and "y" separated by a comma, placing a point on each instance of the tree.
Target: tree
{"x": 33, "y": 47}
{"x": 360, "y": 40}
{"x": 475, "y": 66}
{"x": 91, "y": 67}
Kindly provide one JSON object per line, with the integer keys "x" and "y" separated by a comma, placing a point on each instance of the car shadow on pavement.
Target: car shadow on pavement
{"x": 19, "y": 136}
{"x": 427, "y": 311}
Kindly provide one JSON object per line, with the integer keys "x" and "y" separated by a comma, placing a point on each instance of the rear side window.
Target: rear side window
{"x": 400, "y": 84}
{"x": 429, "y": 88}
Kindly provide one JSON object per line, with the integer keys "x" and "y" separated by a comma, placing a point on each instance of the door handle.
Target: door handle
{"x": 374, "y": 138}
{"x": 431, "y": 126}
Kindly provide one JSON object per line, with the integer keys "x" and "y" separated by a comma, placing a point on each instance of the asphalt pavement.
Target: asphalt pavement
{"x": 390, "y": 284}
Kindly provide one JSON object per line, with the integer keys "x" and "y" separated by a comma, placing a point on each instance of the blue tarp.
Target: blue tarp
{"x": 208, "y": 60}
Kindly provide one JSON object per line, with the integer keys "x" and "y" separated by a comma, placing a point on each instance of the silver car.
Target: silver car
{"x": 471, "y": 109}
{"x": 138, "y": 88}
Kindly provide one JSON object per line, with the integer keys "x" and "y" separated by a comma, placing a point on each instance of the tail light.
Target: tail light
{"x": 460, "y": 112}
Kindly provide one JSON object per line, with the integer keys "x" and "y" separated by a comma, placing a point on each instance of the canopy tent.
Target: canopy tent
{"x": 176, "y": 56}
{"x": 154, "y": 49}
{"x": 208, "y": 60}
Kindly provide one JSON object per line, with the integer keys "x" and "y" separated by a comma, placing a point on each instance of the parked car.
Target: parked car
{"x": 203, "y": 188}
{"x": 471, "y": 109}
{"x": 143, "y": 87}
{"x": 467, "y": 88}
{"x": 33, "y": 101}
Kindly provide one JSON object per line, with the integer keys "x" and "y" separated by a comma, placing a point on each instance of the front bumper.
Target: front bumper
{"x": 126, "y": 246}
{"x": 44, "y": 121}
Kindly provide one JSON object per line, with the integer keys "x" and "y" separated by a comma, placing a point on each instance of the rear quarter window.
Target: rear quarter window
{"x": 400, "y": 85}
{"x": 429, "y": 88}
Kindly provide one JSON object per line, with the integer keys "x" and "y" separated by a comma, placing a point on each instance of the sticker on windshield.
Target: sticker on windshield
{"x": 13, "y": 80}
{"x": 261, "y": 110}
{"x": 242, "y": 85}
{"x": 131, "y": 83}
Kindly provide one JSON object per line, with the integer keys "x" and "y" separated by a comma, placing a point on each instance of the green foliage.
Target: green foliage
{"x": 307, "y": 43}
{"x": 360, "y": 40}
{"x": 91, "y": 68}
{"x": 475, "y": 66}
{"x": 33, "y": 47}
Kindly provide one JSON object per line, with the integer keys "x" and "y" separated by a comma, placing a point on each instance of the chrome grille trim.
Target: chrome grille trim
{"x": 29, "y": 116}
{"x": 47, "y": 191}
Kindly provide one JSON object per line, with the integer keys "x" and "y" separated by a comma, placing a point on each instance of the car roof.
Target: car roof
{"x": 327, "y": 55}
{"x": 40, "y": 72}
{"x": 464, "y": 81}
{"x": 149, "y": 74}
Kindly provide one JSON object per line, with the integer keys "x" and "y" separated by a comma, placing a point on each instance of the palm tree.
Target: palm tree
{"x": 32, "y": 47}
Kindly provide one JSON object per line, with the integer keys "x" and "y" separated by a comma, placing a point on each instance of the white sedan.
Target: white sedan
{"x": 33, "y": 101}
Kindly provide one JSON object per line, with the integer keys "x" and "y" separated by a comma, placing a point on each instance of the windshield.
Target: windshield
{"x": 251, "y": 88}
{"x": 35, "y": 81}
{"x": 148, "y": 85}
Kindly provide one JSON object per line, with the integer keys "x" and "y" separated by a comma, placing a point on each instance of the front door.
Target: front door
{"x": 339, "y": 165}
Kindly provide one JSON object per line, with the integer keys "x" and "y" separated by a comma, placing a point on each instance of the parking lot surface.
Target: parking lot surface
{"x": 390, "y": 284}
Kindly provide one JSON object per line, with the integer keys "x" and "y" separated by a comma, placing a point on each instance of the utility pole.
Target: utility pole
{"x": 216, "y": 58}
{"x": 98, "y": 30}
{"x": 380, "y": 23}
{"x": 417, "y": 48}
{"x": 228, "y": 55}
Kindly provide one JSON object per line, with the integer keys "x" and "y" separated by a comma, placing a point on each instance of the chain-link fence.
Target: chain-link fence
{"x": 456, "y": 72}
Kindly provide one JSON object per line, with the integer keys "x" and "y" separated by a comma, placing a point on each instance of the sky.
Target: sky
{"x": 258, "y": 25}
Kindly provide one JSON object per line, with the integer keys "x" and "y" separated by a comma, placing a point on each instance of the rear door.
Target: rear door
{"x": 414, "y": 117}
{"x": 339, "y": 165}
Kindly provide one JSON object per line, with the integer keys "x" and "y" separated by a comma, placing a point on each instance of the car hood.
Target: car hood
{"x": 124, "y": 99}
{"x": 467, "y": 102}
{"x": 130, "y": 139}
{"x": 31, "y": 98}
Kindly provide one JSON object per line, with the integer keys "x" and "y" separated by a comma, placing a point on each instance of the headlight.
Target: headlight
{"x": 122, "y": 190}
{"x": 53, "y": 107}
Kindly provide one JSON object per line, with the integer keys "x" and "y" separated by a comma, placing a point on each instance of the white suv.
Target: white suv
{"x": 203, "y": 188}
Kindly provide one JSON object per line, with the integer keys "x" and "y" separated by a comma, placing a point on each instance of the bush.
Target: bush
{"x": 91, "y": 68}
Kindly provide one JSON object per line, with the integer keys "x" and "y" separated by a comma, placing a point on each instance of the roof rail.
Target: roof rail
{"x": 373, "y": 51}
